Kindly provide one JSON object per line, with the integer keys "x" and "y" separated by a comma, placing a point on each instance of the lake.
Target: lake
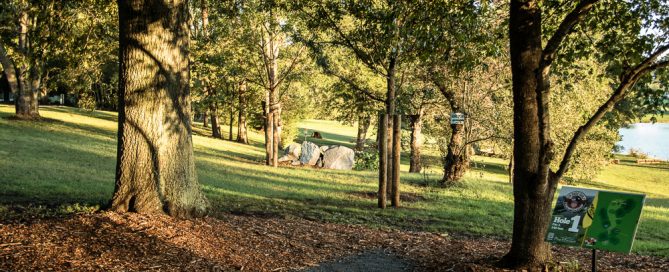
{"x": 652, "y": 139}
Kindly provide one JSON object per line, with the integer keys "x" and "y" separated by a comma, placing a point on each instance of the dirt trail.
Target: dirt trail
{"x": 110, "y": 241}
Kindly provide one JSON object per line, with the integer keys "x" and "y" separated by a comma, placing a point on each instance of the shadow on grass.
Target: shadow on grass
{"x": 94, "y": 114}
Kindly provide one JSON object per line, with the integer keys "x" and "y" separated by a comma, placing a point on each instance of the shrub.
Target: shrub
{"x": 638, "y": 153}
{"x": 367, "y": 159}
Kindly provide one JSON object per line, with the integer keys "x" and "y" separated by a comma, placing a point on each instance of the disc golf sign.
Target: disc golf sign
{"x": 457, "y": 118}
{"x": 595, "y": 219}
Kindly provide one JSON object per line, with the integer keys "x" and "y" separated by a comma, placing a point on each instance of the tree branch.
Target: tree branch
{"x": 359, "y": 52}
{"x": 566, "y": 27}
{"x": 628, "y": 79}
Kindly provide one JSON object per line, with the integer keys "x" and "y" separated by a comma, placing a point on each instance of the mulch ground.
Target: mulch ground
{"x": 108, "y": 241}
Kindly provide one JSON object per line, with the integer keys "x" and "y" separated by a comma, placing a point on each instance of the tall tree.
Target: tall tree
{"x": 155, "y": 169}
{"x": 381, "y": 35}
{"x": 24, "y": 50}
{"x": 538, "y": 45}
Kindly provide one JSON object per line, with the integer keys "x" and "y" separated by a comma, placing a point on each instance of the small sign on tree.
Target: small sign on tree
{"x": 457, "y": 118}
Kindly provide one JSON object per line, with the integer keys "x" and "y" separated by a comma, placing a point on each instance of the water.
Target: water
{"x": 652, "y": 139}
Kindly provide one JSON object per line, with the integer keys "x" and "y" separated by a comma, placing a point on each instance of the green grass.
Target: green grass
{"x": 71, "y": 159}
{"x": 659, "y": 118}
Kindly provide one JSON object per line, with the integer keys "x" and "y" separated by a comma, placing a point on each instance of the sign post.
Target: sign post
{"x": 595, "y": 219}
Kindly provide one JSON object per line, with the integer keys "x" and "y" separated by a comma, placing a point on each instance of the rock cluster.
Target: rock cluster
{"x": 330, "y": 157}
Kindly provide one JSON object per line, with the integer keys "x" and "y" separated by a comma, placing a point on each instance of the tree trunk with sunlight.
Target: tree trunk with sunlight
{"x": 416, "y": 124}
{"x": 155, "y": 170}
{"x": 242, "y": 136}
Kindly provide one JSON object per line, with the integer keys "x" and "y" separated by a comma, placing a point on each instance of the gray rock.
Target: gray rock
{"x": 288, "y": 157}
{"x": 310, "y": 153}
{"x": 324, "y": 148}
{"x": 293, "y": 149}
{"x": 339, "y": 157}
{"x": 296, "y": 163}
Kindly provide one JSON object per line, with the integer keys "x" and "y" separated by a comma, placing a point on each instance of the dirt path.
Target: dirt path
{"x": 130, "y": 242}
{"x": 370, "y": 261}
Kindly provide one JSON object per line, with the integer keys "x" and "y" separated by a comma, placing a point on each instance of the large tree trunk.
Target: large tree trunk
{"x": 532, "y": 188}
{"x": 363, "y": 126}
{"x": 416, "y": 123}
{"x": 27, "y": 77}
{"x": 155, "y": 169}
{"x": 456, "y": 162}
{"x": 242, "y": 136}
{"x": 9, "y": 70}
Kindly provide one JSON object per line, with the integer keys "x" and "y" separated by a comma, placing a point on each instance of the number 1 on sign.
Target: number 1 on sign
{"x": 574, "y": 225}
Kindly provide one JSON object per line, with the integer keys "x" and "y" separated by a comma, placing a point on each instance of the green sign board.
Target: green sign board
{"x": 595, "y": 219}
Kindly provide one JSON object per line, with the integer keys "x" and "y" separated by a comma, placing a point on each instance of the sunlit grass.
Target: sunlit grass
{"x": 71, "y": 159}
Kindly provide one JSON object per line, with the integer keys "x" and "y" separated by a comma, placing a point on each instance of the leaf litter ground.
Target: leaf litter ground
{"x": 108, "y": 241}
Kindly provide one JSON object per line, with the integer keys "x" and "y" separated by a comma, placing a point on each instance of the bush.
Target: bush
{"x": 638, "y": 153}
{"x": 367, "y": 159}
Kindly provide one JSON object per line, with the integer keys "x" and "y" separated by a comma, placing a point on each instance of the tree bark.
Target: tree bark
{"x": 242, "y": 136}
{"x": 9, "y": 70}
{"x": 383, "y": 159}
{"x": 457, "y": 161}
{"x": 532, "y": 188}
{"x": 205, "y": 122}
{"x": 390, "y": 110}
{"x": 416, "y": 142}
{"x": 232, "y": 121}
{"x": 27, "y": 77}
{"x": 363, "y": 126}
{"x": 269, "y": 130}
{"x": 155, "y": 169}
{"x": 397, "y": 148}
{"x": 215, "y": 126}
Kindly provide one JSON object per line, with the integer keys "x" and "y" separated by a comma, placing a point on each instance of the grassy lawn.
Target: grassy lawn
{"x": 659, "y": 118}
{"x": 71, "y": 159}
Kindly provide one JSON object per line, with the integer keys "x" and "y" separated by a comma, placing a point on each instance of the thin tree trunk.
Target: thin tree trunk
{"x": 276, "y": 134}
{"x": 511, "y": 169}
{"x": 215, "y": 126}
{"x": 456, "y": 162}
{"x": 232, "y": 121}
{"x": 397, "y": 148}
{"x": 363, "y": 126}
{"x": 155, "y": 169}
{"x": 241, "y": 120}
{"x": 416, "y": 142}
{"x": 205, "y": 122}
{"x": 279, "y": 129}
{"x": 269, "y": 130}
{"x": 383, "y": 159}
{"x": 390, "y": 107}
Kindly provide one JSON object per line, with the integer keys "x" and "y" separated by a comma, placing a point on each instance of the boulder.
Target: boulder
{"x": 287, "y": 157}
{"x": 293, "y": 149}
{"x": 339, "y": 157}
{"x": 310, "y": 153}
{"x": 292, "y": 153}
{"x": 324, "y": 148}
